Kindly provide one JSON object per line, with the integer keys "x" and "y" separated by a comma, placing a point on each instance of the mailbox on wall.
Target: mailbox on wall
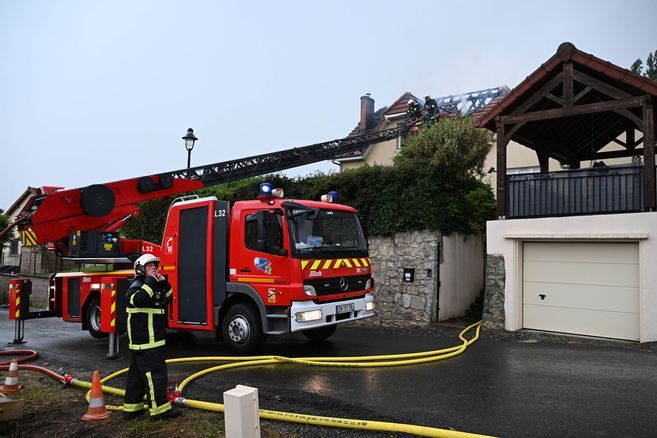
{"x": 409, "y": 275}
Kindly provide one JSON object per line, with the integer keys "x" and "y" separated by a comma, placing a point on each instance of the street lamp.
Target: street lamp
{"x": 190, "y": 139}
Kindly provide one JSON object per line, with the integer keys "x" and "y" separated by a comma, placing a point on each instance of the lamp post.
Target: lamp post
{"x": 190, "y": 139}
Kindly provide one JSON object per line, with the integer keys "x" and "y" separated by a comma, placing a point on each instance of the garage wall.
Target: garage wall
{"x": 506, "y": 237}
{"x": 461, "y": 274}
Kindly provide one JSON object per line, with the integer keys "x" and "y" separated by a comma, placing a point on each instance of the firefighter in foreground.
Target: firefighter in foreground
{"x": 147, "y": 298}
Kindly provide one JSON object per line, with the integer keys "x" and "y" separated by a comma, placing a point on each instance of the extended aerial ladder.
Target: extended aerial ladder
{"x": 52, "y": 214}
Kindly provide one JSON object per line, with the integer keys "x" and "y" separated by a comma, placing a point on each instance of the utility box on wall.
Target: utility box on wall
{"x": 409, "y": 275}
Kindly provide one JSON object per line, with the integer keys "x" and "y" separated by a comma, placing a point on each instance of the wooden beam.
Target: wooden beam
{"x": 501, "y": 169}
{"x": 538, "y": 95}
{"x": 543, "y": 161}
{"x": 568, "y": 84}
{"x": 582, "y": 93}
{"x": 554, "y": 98}
{"x": 629, "y": 139}
{"x": 605, "y": 88}
{"x": 628, "y": 114}
{"x": 578, "y": 110}
{"x": 508, "y": 134}
{"x": 649, "y": 156}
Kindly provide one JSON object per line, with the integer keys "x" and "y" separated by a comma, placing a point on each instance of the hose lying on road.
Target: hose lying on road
{"x": 353, "y": 361}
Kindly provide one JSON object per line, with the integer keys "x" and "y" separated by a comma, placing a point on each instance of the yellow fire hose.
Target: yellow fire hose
{"x": 352, "y": 361}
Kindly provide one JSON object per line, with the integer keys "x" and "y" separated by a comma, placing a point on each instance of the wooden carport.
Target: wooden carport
{"x": 570, "y": 108}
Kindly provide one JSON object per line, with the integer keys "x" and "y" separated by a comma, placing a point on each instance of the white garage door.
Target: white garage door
{"x": 583, "y": 288}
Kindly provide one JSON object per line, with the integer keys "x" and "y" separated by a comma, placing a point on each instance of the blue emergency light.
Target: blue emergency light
{"x": 265, "y": 189}
{"x": 330, "y": 197}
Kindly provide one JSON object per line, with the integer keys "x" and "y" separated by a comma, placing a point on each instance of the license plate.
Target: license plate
{"x": 344, "y": 308}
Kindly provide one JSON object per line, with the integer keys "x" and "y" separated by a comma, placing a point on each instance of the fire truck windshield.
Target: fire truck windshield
{"x": 326, "y": 233}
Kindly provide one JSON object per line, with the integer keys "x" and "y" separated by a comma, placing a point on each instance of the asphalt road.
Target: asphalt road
{"x": 504, "y": 384}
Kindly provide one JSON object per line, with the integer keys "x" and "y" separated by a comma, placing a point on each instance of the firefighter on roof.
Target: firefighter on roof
{"x": 431, "y": 107}
{"x": 147, "y": 298}
{"x": 413, "y": 110}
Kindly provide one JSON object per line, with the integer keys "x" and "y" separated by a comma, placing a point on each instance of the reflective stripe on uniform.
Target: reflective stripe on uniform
{"x": 151, "y": 329}
{"x": 146, "y": 346}
{"x": 151, "y": 389}
{"x": 160, "y": 409}
{"x": 148, "y": 290}
{"x": 132, "y": 407}
{"x": 169, "y": 292}
{"x": 129, "y": 330}
{"x": 145, "y": 310}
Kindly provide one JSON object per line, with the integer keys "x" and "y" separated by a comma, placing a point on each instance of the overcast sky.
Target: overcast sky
{"x": 97, "y": 91}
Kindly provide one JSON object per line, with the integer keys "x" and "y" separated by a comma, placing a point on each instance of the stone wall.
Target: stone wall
{"x": 39, "y": 296}
{"x": 399, "y": 303}
{"x": 494, "y": 296}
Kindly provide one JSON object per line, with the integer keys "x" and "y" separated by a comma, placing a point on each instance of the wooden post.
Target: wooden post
{"x": 648, "y": 155}
{"x": 629, "y": 139}
{"x": 543, "y": 161}
{"x": 568, "y": 84}
{"x": 501, "y": 169}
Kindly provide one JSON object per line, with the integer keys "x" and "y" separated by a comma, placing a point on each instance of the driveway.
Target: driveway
{"x": 522, "y": 384}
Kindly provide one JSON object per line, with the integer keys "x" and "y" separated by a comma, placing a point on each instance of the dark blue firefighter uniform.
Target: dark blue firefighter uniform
{"x": 146, "y": 307}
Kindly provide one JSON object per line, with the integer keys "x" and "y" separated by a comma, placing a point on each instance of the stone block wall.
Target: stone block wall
{"x": 398, "y": 303}
{"x": 494, "y": 296}
{"x": 39, "y": 297}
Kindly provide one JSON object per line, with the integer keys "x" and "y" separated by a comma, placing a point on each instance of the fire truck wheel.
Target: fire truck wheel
{"x": 242, "y": 328}
{"x": 93, "y": 319}
{"x": 321, "y": 333}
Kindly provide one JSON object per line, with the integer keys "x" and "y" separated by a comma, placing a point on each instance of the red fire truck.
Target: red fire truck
{"x": 263, "y": 267}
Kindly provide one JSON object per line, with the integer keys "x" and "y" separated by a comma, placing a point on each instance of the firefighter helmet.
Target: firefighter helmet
{"x": 427, "y": 96}
{"x": 410, "y": 102}
{"x": 143, "y": 260}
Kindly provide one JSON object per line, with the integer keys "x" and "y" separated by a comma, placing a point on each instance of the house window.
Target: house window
{"x": 399, "y": 137}
{"x": 13, "y": 247}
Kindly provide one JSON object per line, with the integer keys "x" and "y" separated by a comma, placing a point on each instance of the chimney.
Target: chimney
{"x": 366, "y": 112}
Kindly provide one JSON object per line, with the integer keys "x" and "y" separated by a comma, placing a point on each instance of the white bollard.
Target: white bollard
{"x": 241, "y": 412}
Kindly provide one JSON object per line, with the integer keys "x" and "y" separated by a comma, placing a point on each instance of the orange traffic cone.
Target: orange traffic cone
{"x": 11, "y": 382}
{"x": 96, "y": 410}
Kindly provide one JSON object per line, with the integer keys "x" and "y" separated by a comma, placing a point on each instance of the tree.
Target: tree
{"x": 453, "y": 147}
{"x": 4, "y": 221}
{"x": 651, "y": 66}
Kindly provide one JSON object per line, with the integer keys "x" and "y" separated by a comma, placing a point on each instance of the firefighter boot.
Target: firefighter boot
{"x": 171, "y": 413}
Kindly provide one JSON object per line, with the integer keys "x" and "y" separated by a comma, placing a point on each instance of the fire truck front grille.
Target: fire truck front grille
{"x": 336, "y": 285}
